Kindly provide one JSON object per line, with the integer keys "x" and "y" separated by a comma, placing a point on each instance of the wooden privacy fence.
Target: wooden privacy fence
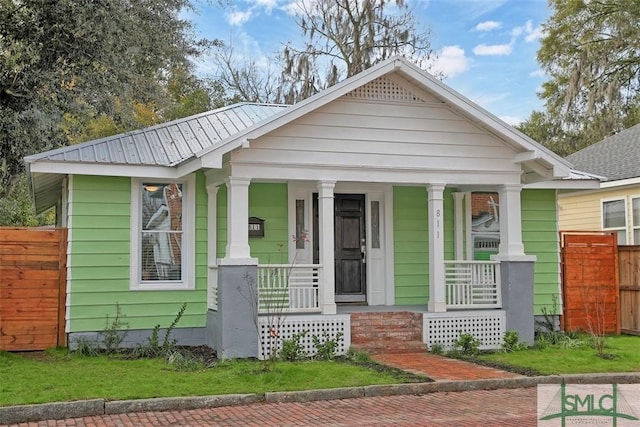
{"x": 629, "y": 263}
{"x": 590, "y": 290}
{"x": 32, "y": 288}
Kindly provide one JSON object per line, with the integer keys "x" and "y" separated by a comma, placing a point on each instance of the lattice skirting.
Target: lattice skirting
{"x": 314, "y": 325}
{"x": 445, "y": 328}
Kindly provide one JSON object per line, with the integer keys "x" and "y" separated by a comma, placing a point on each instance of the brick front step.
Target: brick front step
{"x": 391, "y": 347}
{"x": 387, "y": 332}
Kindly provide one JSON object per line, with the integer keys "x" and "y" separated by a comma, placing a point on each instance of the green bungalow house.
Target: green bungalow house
{"x": 386, "y": 192}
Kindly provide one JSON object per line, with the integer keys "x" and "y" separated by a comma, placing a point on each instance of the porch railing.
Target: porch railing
{"x": 473, "y": 284}
{"x": 289, "y": 288}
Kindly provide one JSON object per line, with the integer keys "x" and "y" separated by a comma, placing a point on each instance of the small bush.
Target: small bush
{"x": 326, "y": 350}
{"x": 114, "y": 332}
{"x": 86, "y": 347}
{"x": 467, "y": 345}
{"x": 358, "y": 356}
{"x": 292, "y": 349}
{"x": 512, "y": 342}
{"x": 436, "y": 348}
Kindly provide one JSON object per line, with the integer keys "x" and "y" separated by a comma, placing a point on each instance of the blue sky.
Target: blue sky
{"x": 487, "y": 48}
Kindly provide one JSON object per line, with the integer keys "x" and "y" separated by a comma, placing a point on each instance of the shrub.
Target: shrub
{"x": 467, "y": 345}
{"x": 292, "y": 349}
{"x": 326, "y": 350}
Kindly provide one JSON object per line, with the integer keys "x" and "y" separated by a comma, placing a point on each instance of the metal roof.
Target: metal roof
{"x": 616, "y": 157}
{"x": 166, "y": 144}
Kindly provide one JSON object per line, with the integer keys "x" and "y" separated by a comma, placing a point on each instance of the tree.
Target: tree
{"x": 343, "y": 38}
{"x": 68, "y": 60}
{"x": 591, "y": 52}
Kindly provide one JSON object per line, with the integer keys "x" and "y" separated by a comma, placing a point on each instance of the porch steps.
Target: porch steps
{"x": 387, "y": 332}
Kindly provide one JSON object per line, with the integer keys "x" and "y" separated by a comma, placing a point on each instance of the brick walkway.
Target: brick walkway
{"x": 440, "y": 368}
{"x": 506, "y": 408}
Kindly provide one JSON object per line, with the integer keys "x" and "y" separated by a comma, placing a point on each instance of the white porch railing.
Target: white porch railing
{"x": 289, "y": 288}
{"x": 473, "y": 284}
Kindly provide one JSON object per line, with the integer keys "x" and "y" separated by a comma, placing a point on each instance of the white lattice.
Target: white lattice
{"x": 314, "y": 325}
{"x": 384, "y": 89}
{"x": 212, "y": 289}
{"x": 445, "y": 328}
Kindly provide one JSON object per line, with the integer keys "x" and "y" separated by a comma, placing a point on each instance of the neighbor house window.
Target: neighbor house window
{"x": 485, "y": 225}
{"x": 613, "y": 219}
{"x": 635, "y": 204}
{"x": 161, "y": 235}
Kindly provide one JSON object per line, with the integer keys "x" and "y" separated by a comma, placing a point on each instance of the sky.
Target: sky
{"x": 486, "y": 48}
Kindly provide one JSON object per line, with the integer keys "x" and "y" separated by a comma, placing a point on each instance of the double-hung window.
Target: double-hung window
{"x": 614, "y": 218}
{"x": 162, "y": 236}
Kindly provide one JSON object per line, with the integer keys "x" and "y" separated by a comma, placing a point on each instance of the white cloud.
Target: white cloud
{"x": 488, "y": 26}
{"x": 512, "y": 120}
{"x": 493, "y": 50}
{"x": 267, "y": 4}
{"x": 451, "y": 61}
{"x": 534, "y": 34}
{"x": 537, "y": 73}
{"x": 531, "y": 34}
{"x": 238, "y": 17}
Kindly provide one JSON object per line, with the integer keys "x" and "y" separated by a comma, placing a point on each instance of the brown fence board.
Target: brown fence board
{"x": 629, "y": 264}
{"x": 590, "y": 284}
{"x": 32, "y": 288}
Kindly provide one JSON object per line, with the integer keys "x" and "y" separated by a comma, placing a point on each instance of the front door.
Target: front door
{"x": 350, "y": 248}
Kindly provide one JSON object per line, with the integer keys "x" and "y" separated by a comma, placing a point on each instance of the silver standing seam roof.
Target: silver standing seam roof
{"x": 616, "y": 157}
{"x": 166, "y": 144}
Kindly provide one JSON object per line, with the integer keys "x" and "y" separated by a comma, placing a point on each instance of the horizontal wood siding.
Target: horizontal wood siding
{"x": 411, "y": 242}
{"x": 579, "y": 211}
{"x": 540, "y": 238}
{"x": 32, "y": 288}
{"x": 100, "y": 256}
{"x": 351, "y": 132}
{"x": 269, "y": 201}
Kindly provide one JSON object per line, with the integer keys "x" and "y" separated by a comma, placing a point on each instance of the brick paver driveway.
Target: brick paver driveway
{"x": 471, "y": 408}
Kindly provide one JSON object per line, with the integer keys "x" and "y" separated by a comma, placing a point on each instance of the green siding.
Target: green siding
{"x": 540, "y": 238}
{"x": 411, "y": 245}
{"x": 100, "y": 257}
{"x": 267, "y": 201}
{"x": 410, "y": 228}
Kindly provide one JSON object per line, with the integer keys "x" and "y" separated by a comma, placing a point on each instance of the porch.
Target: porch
{"x": 289, "y": 296}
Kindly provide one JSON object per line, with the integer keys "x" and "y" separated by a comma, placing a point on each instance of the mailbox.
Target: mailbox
{"x": 256, "y": 227}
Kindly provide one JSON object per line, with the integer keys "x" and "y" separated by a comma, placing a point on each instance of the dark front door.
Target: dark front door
{"x": 350, "y": 247}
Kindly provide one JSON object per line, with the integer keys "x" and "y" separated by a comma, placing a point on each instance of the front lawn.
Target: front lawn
{"x": 574, "y": 355}
{"x": 56, "y": 375}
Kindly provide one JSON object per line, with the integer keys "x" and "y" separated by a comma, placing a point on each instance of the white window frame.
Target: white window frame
{"x": 634, "y": 226}
{"x": 188, "y": 238}
{"x": 624, "y": 229}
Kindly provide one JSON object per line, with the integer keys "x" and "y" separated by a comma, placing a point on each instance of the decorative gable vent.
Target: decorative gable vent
{"x": 384, "y": 89}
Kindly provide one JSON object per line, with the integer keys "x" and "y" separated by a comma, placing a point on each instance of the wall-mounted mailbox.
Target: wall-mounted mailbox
{"x": 256, "y": 227}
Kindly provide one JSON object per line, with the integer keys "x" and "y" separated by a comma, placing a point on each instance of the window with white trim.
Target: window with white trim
{"x": 162, "y": 236}
{"x": 485, "y": 225}
{"x": 635, "y": 207}
{"x": 614, "y": 218}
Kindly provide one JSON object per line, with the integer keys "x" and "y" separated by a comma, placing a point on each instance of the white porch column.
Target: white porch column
{"x": 238, "y": 218}
{"x": 327, "y": 246}
{"x": 510, "y": 222}
{"x": 437, "y": 302}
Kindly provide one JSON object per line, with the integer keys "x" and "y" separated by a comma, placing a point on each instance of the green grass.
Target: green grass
{"x": 57, "y": 376}
{"x": 575, "y": 357}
